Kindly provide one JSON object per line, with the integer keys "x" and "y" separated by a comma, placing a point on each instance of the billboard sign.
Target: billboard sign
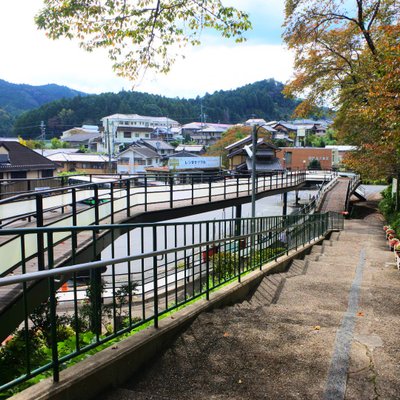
{"x": 194, "y": 162}
{"x": 301, "y": 132}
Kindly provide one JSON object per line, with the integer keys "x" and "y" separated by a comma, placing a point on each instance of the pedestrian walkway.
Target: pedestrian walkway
{"x": 325, "y": 329}
{"x": 335, "y": 199}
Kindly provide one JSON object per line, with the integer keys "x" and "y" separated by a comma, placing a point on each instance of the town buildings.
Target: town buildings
{"x": 205, "y": 134}
{"x": 136, "y": 159}
{"x": 121, "y": 130}
{"x": 19, "y": 162}
{"x": 85, "y": 137}
{"x": 240, "y": 156}
{"x": 83, "y": 162}
{"x": 300, "y": 158}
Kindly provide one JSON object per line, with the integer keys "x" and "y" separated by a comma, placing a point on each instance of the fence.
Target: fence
{"x": 146, "y": 273}
{"x": 102, "y": 198}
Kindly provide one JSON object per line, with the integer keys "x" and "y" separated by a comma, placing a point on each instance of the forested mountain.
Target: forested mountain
{"x": 262, "y": 99}
{"x": 17, "y": 98}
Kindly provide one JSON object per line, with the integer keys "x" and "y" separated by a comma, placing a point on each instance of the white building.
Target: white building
{"x": 124, "y": 129}
{"x": 136, "y": 159}
{"x": 339, "y": 151}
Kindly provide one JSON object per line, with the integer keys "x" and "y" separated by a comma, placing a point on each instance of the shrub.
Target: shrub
{"x": 224, "y": 265}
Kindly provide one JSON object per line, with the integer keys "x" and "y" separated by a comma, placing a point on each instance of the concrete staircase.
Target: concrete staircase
{"x": 276, "y": 344}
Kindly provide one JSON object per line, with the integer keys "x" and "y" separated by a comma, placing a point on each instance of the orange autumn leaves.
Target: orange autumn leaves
{"x": 349, "y": 58}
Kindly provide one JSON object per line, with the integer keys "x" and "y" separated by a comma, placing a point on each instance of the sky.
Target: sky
{"x": 28, "y": 56}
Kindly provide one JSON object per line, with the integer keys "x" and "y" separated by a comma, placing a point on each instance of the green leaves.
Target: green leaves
{"x": 140, "y": 34}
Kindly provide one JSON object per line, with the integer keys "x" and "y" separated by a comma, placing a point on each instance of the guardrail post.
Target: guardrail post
{"x": 112, "y": 202}
{"x": 96, "y": 205}
{"x": 53, "y": 311}
{"x": 207, "y": 261}
{"x": 40, "y": 238}
{"x": 155, "y": 277}
{"x": 224, "y": 178}
{"x": 192, "y": 190}
{"x": 209, "y": 189}
{"x": 237, "y": 186}
{"x": 171, "y": 192}
{"x": 145, "y": 193}
{"x": 284, "y": 212}
{"x": 128, "y": 198}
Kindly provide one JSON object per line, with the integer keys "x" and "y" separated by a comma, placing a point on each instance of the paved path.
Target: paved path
{"x": 335, "y": 199}
{"x": 326, "y": 329}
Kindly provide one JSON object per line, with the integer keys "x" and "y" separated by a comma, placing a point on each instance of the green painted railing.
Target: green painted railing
{"x": 150, "y": 270}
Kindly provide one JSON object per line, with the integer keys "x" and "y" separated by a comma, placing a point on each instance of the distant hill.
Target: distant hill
{"x": 17, "y": 98}
{"x": 262, "y": 99}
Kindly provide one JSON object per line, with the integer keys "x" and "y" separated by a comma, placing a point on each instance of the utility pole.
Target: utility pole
{"x": 42, "y": 130}
{"x": 253, "y": 171}
{"x": 108, "y": 141}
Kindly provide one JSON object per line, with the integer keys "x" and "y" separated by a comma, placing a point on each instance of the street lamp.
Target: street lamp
{"x": 253, "y": 171}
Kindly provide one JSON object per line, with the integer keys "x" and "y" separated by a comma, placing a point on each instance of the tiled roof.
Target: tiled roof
{"x": 157, "y": 144}
{"x": 182, "y": 153}
{"x": 143, "y": 151}
{"x": 189, "y": 147}
{"x": 81, "y": 137}
{"x": 78, "y": 157}
{"x": 138, "y": 117}
{"x": 23, "y": 158}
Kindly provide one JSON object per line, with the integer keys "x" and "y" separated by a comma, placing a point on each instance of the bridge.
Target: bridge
{"x": 25, "y": 249}
{"x": 168, "y": 264}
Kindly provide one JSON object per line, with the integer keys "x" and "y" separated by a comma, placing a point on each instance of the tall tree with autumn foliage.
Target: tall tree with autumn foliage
{"x": 347, "y": 53}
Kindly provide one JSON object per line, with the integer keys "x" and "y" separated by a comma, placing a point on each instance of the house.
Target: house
{"x": 205, "y": 134}
{"x": 319, "y": 126}
{"x": 82, "y": 137}
{"x": 83, "y": 162}
{"x": 208, "y": 135}
{"x": 197, "y": 149}
{"x": 285, "y": 130}
{"x": 255, "y": 121}
{"x": 162, "y": 148}
{"x": 20, "y": 162}
{"x": 121, "y": 130}
{"x": 240, "y": 156}
{"x": 299, "y": 158}
{"x": 136, "y": 159}
{"x": 49, "y": 152}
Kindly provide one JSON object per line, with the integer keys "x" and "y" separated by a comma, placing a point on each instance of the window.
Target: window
{"x": 147, "y": 135}
{"x": 149, "y": 161}
{"x": 140, "y": 161}
{"x": 127, "y": 135}
{"x": 124, "y": 160}
{"x": 137, "y": 134}
{"x": 18, "y": 175}
{"x": 46, "y": 173}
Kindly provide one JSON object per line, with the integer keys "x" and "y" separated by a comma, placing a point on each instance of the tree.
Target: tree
{"x": 56, "y": 143}
{"x": 347, "y": 53}
{"x": 139, "y": 33}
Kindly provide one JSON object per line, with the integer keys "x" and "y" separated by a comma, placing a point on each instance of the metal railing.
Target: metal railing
{"x": 93, "y": 203}
{"x": 147, "y": 272}
{"x": 144, "y": 191}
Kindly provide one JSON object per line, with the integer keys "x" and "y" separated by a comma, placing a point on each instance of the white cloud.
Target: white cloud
{"x": 29, "y": 57}
{"x": 212, "y": 68}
